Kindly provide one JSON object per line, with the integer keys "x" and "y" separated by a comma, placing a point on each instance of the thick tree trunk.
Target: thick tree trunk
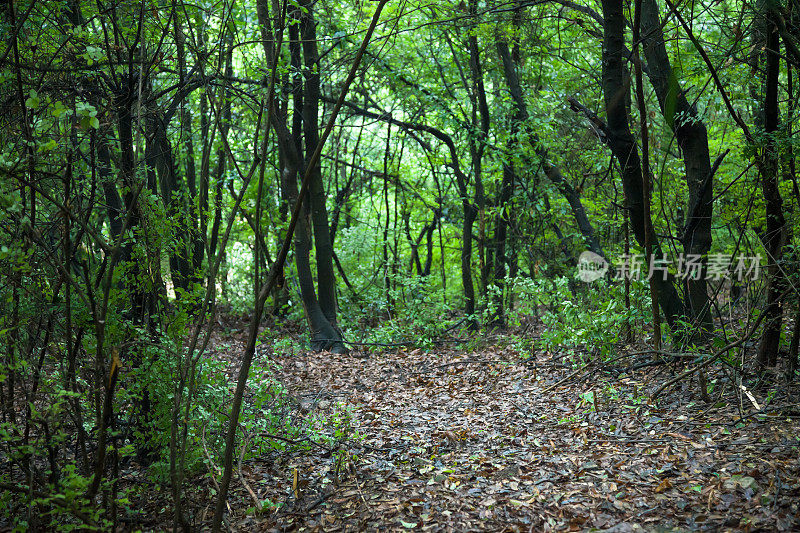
{"x": 615, "y": 92}
{"x": 326, "y": 280}
{"x": 774, "y": 234}
{"x": 691, "y": 135}
{"x": 323, "y": 334}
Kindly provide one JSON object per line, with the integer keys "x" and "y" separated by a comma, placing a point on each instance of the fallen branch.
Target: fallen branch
{"x": 572, "y": 375}
{"x": 245, "y": 484}
{"x": 710, "y": 360}
{"x": 211, "y": 465}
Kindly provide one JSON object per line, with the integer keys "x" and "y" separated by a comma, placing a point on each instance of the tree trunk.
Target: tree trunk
{"x": 195, "y": 246}
{"x": 159, "y": 156}
{"x": 326, "y": 280}
{"x": 206, "y": 141}
{"x": 615, "y": 92}
{"x": 481, "y": 118}
{"x": 222, "y": 156}
{"x": 773, "y": 236}
{"x": 552, "y": 171}
{"x": 323, "y": 335}
{"x": 691, "y": 135}
{"x": 111, "y": 193}
{"x": 500, "y": 236}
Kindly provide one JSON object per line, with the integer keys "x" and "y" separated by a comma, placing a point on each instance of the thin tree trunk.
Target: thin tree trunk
{"x": 480, "y": 120}
{"x": 191, "y": 249}
{"x": 645, "y": 135}
{"x": 552, "y": 171}
{"x": 386, "y": 277}
{"x": 206, "y": 140}
{"x": 160, "y": 156}
{"x": 222, "y": 156}
{"x": 500, "y": 236}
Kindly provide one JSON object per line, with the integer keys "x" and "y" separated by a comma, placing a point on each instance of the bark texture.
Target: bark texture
{"x": 616, "y": 91}
{"x": 692, "y": 137}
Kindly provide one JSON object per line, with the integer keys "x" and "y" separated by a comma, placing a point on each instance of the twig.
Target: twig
{"x": 710, "y": 360}
{"x": 298, "y": 441}
{"x": 358, "y": 485}
{"x": 325, "y": 495}
{"x": 245, "y": 484}
{"x": 600, "y": 127}
{"x": 318, "y": 501}
{"x": 572, "y": 375}
{"x": 646, "y": 364}
{"x": 211, "y": 465}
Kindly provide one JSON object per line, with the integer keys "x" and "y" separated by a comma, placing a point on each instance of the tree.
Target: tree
{"x": 304, "y": 87}
{"x": 625, "y": 149}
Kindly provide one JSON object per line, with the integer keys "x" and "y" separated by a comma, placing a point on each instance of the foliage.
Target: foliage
{"x": 591, "y": 321}
{"x": 150, "y": 163}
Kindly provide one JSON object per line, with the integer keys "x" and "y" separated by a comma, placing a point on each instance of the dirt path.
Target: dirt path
{"x": 463, "y": 441}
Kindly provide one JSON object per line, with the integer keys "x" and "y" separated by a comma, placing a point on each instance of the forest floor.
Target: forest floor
{"x": 450, "y": 440}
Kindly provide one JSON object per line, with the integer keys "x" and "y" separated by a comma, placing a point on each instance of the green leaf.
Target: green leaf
{"x": 58, "y": 110}
{"x": 33, "y": 100}
{"x": 48, "y": 146}
{"x": 93, "y": 54}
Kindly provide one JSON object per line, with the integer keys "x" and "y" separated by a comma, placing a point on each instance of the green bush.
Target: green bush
{"x": 592, "y": 319}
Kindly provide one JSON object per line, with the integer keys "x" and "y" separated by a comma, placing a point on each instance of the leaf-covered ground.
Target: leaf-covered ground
{"x": 453, "y": 440}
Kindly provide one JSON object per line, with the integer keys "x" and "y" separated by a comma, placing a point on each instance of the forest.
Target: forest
{"x": 326, "y": 265}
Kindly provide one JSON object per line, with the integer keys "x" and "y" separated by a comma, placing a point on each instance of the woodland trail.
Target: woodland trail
{"x": 453, "y": 441}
